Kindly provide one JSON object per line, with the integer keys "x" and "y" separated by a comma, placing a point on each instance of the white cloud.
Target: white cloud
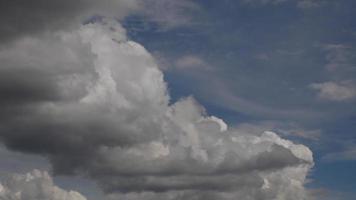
{"x": 333, "y": 91}
{"x": 96, "y": 104}
{"x": 34, "y": 185}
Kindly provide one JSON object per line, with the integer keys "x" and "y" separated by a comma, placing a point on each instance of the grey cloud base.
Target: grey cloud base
{"x": 96, "y": 105}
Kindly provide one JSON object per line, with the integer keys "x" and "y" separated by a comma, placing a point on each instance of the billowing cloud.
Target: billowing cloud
{"x": 34, "y": 185}
{"x": 333, "y": 91}
{"x": 96, "y": 105}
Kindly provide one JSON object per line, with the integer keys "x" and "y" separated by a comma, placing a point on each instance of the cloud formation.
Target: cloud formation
{"x": 34, "y": 185}
{"x": 96, "y": 105}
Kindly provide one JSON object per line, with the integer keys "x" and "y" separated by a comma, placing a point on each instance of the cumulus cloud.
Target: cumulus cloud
{"x": 333, "y": 91}
{"x": 34, "y": 185}
{"x": 96, "y": 105}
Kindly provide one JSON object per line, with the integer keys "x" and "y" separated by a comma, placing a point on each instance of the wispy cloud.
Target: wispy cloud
{"x": 225, "y": 97}
{"x": 334, "y": 91}
{"x": 285, "y": 129}
{"x": 192, "y": 62}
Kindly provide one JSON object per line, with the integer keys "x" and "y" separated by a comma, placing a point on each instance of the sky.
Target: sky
{"x": 177, "y": 99}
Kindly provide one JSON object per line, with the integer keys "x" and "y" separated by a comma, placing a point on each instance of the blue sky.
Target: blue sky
{"x": 270, "y": 64}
